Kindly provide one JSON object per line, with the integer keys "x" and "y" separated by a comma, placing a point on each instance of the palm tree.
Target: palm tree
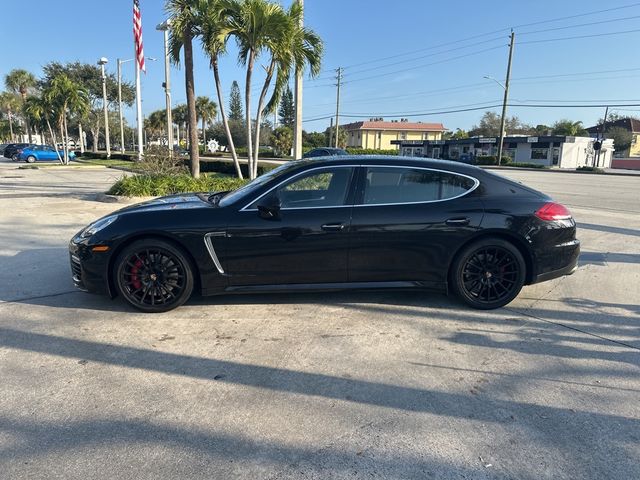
{"x": 9, "y": 104}
{"x": 41, "y": 110}
{"x": 569, "y": 128}
{"x": 180, "y": 116}
{"x": 183, "y": 31}
{"x": 212, "y": 20}
{"x": 206, "y": 110}
{"x": 296, "y": 48}
{"x": 66, "y": 97}
{"x": 20, "y": 81}
{"x": 257, "y": 25}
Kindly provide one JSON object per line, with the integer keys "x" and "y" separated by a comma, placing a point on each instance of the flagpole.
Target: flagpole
{"x": 139, "y": 110}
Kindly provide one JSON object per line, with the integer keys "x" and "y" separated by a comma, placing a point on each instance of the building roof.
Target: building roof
{"x": 382, "y": 125}
{"x": 494, "y": 140}
{"x": 631, "y": 124}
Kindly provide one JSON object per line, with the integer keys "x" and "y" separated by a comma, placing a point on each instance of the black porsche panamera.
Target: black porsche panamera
{"x": 333, "y": 223}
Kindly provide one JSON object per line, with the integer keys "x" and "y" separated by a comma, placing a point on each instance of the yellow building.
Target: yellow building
{"x": 378, "y": 134}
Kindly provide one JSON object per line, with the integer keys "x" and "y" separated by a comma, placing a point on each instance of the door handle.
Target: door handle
{"x": 332, "y": 227}
{"x": 457, "y": 222}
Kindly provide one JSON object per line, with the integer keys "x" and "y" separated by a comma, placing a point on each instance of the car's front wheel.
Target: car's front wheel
{"x": 31, "y": 159}
{"x": 153, "y": 275}
{"x": 15, "y": 157}
{"x": 488, "y": 273}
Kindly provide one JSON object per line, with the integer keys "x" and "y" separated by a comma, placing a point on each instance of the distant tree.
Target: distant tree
{"x": 313, "y": 139}
{"x": 282, "y": 140}
{"x": 489, "y": 126}
{"x": 206, "y": 111}
{"x": 180, "y": 116}
{"x": 287, "y": 109}
{"x": 9, "y": 104}
{"x": 569, "y": 128}
{"x": 458, "y": 134}
{"x": 542, "y": 129}
{"x": 622, "y": 138}
{"x": 237, "y": 130}
{"x": 236, "y": 111}
{"x": 20, "y": 82}
{"x": 330, "y": 139}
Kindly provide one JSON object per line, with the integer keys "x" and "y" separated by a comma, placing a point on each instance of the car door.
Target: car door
{"x": 307, "y": 239}
{"x": 407, "y": 221}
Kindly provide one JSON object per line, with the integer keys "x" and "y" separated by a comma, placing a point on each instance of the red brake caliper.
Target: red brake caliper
{"x": 135, "y": 280}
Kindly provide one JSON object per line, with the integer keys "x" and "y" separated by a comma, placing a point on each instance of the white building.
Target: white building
{"x": 550, "y": 151}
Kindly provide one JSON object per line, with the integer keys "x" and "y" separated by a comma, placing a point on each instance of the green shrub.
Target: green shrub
{"x": 103, "y": 156}
{"x": 220, "y": 166}
{"x": 587, "y": 168}
{"x": 526, "y": 165}
{"x": 151, "y": 185}
{"x": 371, "y": 151}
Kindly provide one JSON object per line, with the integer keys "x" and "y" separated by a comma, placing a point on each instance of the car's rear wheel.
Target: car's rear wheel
{"x": 153, "y": 275}
{"x": 15, "y": 157}
{"x": 488, "y": 273}
{"x": 31, "y": 159}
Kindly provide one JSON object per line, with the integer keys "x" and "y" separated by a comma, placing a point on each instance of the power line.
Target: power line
{"x": 579, "y": 25}
{"x": 580, "y": 36}
{"x": 594, "y": 12}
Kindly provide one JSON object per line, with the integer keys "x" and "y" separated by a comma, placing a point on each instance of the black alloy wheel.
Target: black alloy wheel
{"x": 154, "y": 275}
{"x": 488, "y": 274}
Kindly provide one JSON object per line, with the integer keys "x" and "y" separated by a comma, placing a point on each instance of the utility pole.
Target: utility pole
{"x": 297, "y": 131}
{"x": 339, "y": 77}
{"x": 601, "y": 131}
{"x": 120, "y": 106}
{"x": 102, "y": 62}
{"x": 506, "y": 97}
{"x": 164, "y": 28}
{"x": 330, "y": 133}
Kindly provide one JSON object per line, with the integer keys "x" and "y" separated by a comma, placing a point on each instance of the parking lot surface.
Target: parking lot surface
{"x": 391, "y": 385}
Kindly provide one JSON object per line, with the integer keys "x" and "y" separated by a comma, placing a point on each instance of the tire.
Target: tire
{"x": 153, "y": 275}
{"x": 488, "y": 274}
{"x": 31, "y": 159}
{"x": 15, "y": 157}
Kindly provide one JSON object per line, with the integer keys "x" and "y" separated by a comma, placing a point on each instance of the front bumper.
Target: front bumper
{"x": 89, "y": 270}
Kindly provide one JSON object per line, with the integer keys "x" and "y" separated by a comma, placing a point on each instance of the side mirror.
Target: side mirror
{"x": 269, "y": 208}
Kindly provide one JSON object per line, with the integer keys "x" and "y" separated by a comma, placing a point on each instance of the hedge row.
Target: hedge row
{"x": 103, "y": 156}
{"x": 148, "y": 185}
{"x": 228, "y": 168}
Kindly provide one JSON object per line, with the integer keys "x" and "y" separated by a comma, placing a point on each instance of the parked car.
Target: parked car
{"x": 333, "y": 223}
{"x": 324, "y": 152}
{"x": 11, "y": 150}
{"x": 2, "y": 147}
{"x": 41, "y": 153}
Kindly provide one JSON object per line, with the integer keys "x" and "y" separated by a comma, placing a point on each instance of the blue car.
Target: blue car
{"x": 41, "y": 153}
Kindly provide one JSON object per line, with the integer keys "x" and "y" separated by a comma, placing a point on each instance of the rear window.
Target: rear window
{"x": 412, "y": 185}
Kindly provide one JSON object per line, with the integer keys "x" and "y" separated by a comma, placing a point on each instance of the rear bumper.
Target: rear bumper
{"x": 563, "y": 261}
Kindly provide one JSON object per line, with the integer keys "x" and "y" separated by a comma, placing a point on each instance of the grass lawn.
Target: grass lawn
{"x": 104, "y": 162}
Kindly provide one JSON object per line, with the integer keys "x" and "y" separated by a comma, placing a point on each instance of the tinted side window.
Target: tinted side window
{"x": 406, "y": 185}
{"x": 326, "y": 188}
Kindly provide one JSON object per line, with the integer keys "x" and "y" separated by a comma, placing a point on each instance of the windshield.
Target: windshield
{"x": 251, "y": 187}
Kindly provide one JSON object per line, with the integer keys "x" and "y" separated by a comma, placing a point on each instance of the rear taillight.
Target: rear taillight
{"x": 553, "y": 211}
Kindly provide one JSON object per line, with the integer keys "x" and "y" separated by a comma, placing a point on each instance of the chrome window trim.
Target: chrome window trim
{"x": 212, "y": 252}
{"x": 476, "y": 184}
{"x": 247, "y": 209}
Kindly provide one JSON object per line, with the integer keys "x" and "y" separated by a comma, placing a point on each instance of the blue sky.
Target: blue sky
{"x": 400, "y": 58}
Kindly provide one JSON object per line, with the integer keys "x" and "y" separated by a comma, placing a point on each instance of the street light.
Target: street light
{"x": 102, "y": 62}
{"x": 164, "y": 27}
{"x": 497, "y": 81}
{"x": 120, "y": 62}
{"x": 502, "y": 118}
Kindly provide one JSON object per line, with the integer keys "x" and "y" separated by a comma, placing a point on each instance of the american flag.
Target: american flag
{"x": 137, "y": 34}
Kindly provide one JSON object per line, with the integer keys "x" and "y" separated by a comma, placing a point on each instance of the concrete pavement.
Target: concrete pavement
{"x": 341, "y": 385}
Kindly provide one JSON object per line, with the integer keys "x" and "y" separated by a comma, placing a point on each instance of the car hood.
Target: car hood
{"x": 171, "y": 202}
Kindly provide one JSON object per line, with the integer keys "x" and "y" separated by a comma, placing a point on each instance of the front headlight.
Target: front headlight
{"x": 95, "y": 227}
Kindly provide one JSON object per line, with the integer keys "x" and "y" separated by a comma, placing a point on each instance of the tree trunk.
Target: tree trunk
{"x": 263, "y": 94}
{"x": 194, "y": 152}
{"x": 26, "y": 117}
{"x": 80, "y": 134}
{"x": 204, "y": 134}
{"x": 53, "y": 140}
{"x": 65, "y": 145}
{"x": 225, "y": 121}
{"x": 247, "y": 102}
{"x": 11, "y": 125}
